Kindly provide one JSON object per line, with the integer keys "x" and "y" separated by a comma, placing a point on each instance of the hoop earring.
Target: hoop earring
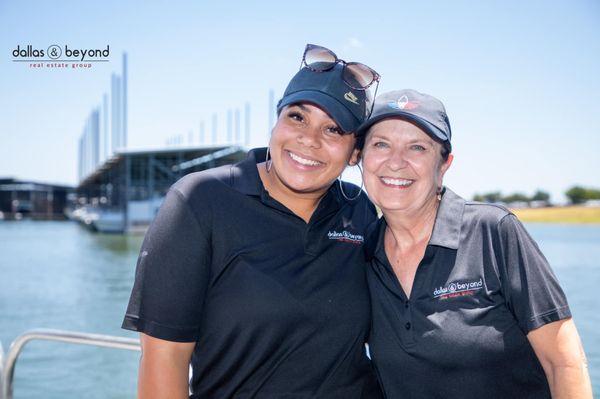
{"x": 268, "y": 163}
{"x": 362, "y": 183}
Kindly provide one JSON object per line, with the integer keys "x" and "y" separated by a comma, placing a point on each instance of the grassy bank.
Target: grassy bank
{"x": 561, "y": 214}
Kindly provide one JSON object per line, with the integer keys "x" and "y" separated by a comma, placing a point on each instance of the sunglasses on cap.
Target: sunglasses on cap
{"x": 356, "y": 75}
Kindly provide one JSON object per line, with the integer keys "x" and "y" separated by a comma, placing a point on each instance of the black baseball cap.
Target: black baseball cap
{"x": 425, "y": 111}
{"x": 327, "y": 90}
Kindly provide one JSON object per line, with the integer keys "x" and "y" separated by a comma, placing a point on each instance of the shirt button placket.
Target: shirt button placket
{"x": 408, "y": 327}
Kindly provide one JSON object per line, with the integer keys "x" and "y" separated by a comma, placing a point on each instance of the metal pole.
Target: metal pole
{"x": 271, "y": 110}
{"x": 214, "y": 129}
{"x": 126, "y": 192}
{"x": 229, "y": 127}
{"x": 238, "y": 134}
{"x": 124, "y": 103}
{"x": 95, "y": 121}
{"x": 151, "y": 181}
{"x": 247, "y": 124}
{"x": 113, "y": 114}
{"x": 119, "y": 111}
{"x": 105, "y": 124}
{"x": 80, "y": 159}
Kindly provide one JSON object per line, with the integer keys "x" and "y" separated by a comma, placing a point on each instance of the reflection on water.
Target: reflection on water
{"x": 59, "y": 275}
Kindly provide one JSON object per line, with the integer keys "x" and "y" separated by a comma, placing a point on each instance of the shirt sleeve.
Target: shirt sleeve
{"x": 172, "y": 273}
{"x": 530, "y": 287}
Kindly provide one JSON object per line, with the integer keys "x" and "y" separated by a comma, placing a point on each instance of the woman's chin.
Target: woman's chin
{"x": 394, "y": 201}
{"x": 306, "y": 187}
{"x": 394, "y": 207}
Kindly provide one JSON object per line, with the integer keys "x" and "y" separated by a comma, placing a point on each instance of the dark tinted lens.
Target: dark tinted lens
{"x": 358, "y": 76}
{"x": 319, "y": 58}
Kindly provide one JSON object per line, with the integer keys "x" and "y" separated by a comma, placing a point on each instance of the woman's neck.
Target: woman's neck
{"x": 411, "y": 228}
{"x": 302, "y": 204}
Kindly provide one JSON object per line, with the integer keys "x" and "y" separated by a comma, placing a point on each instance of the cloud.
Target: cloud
{"x": 353, "y": 42}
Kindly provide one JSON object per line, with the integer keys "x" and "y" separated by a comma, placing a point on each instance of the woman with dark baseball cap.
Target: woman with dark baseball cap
{"x": 254, "y": 273}
{"x": 464, "y": 303}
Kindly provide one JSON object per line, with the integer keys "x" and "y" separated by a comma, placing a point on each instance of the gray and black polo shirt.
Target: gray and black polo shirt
{"x": 279, "y": 308}
{"x": 482, "y": 285}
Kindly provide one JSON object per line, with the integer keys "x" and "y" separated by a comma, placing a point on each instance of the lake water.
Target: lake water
{"x": 59, "y": 275}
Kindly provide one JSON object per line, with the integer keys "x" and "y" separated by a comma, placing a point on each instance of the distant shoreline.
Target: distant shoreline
{"x": 560, "y": 214}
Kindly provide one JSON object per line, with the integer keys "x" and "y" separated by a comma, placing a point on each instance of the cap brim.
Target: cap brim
{"x": 430, "y": 129}
{"x": 340, "y": 114}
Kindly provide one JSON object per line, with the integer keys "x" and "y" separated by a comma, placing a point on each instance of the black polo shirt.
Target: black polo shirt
{"x": 279, "y": 307}
{"x": 482, "y": 285}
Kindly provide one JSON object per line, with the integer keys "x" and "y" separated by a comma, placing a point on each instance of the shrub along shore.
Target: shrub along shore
{"x": 560, "y": 214}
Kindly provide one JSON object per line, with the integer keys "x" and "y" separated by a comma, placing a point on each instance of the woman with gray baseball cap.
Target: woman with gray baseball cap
{"x": 464, "y": 303}
{"x": 254, "y": 273}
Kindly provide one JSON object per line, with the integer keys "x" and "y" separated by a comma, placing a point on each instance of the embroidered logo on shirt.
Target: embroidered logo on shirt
{"x": 458, "y": 288}
{"x": 346, "y": 236}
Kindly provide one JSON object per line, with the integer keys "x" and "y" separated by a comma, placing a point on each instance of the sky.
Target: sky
{"x": 520, "y": 80}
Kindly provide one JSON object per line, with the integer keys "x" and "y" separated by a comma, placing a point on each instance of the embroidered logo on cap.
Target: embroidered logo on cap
{"x": 351, "y": 97}
{"x": 403, "y": 103}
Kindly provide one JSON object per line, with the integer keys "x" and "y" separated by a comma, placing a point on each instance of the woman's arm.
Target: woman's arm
{"x": 164, "y": 368}
{"x": 559, "y": 350}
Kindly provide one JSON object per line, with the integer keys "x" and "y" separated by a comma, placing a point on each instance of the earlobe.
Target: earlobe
{"x": 444, "y": 168}
{"x": 354, "y": 158}
{"x": 448, "y": 162}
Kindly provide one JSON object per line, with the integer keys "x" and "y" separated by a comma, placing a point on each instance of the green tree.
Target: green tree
{"x": 492, "y": 197}
{"x": 516, "y": 197}
{"x": 541, "y": 196}
{"x": 592, "y": 194}
{"x": 577, "y": 194}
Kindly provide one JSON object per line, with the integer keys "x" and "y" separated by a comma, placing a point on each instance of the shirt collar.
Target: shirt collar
{"x": 374, "y": 242}
{"x": 244, "y": 174}
{"x": 446, "y": 230}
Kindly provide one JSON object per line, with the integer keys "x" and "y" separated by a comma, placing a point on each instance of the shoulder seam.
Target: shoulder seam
{"x": 184, "y": 199}
{"x": 502, "y": 207}
{"x": 504, "y": 217}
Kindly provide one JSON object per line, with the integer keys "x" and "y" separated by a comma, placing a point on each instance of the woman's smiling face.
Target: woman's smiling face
{"x": 403, "y": 166}
{"x": 308, "y": 149}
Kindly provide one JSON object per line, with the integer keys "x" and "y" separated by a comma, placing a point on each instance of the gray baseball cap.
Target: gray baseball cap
{"x": 327, "y": 90}
{"x": 425, "y": 111}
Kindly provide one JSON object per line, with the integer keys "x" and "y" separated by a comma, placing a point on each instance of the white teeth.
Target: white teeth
{"x": 397, "y": 182}
{"x": 303, "y": 161}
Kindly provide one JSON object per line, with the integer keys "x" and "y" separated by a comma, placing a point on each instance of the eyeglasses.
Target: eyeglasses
{"x": 356, "y": 75}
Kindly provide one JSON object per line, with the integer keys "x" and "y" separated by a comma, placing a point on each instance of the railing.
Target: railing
{"x": 7, "y": 364}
